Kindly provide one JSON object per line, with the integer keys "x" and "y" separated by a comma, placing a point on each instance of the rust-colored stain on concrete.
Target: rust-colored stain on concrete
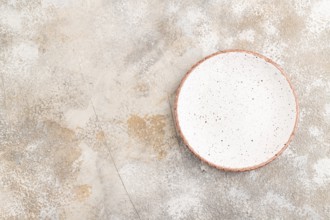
{"x": 82, "y": 192}
{"x": 100, "y": 136}
{"x": 150, "y": 130}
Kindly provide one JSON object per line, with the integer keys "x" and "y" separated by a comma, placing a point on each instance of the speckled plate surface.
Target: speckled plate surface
{"x": 236, "y": 110}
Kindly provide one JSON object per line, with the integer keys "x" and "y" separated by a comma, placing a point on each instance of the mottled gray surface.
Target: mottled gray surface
{"x": 88, "y": 84}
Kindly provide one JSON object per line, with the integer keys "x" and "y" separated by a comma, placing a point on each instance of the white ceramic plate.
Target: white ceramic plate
{"x": 236, "y": 110}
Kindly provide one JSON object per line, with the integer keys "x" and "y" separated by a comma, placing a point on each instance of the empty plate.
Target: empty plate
{"x": 236, "y": 110}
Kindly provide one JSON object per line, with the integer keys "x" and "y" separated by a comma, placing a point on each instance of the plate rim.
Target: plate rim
{"x": 177, "y": 123}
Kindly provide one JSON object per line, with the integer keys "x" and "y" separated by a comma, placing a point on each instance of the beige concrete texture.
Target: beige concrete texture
{"x": 86, "y": 89}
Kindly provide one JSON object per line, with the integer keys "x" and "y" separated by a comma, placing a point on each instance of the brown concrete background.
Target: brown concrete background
{"x": 85, "y": 95}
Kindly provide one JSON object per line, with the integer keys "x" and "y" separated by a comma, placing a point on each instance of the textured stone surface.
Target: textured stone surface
{"x": 86, "y": 89}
